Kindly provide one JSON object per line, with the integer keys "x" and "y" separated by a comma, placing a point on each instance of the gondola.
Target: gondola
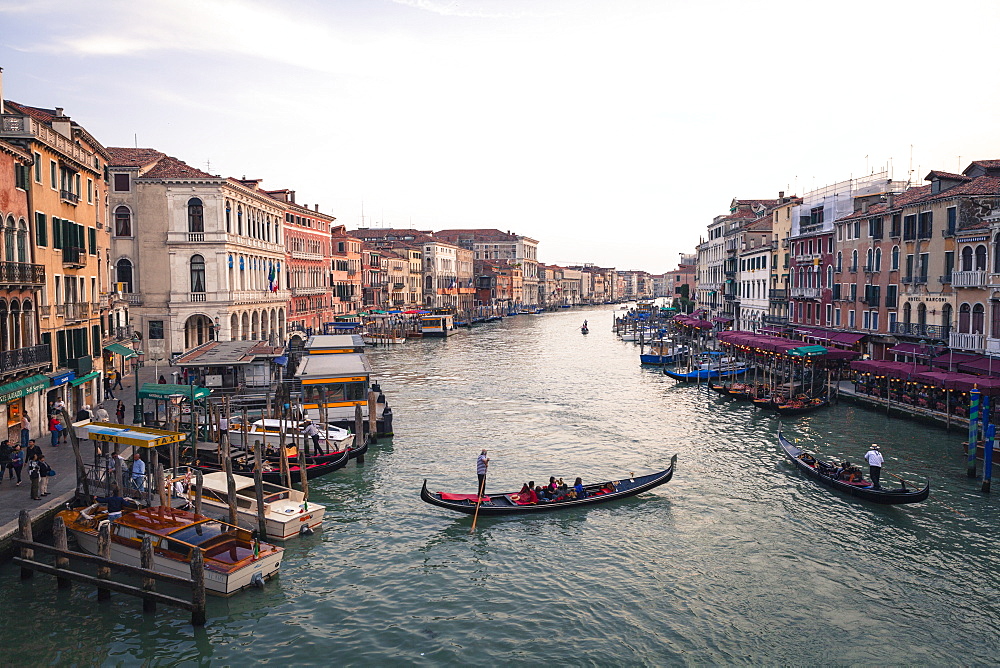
{"x": 507, "y": 503}
{"x": 720, "y": 388}
{"x": 584, "y": 330}
{"x": 274, "y": 475}
{"x": 799, "y": 407}
{"x": 861, "y": 489}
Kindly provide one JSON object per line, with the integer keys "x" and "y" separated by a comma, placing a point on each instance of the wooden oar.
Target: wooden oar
{"x": 479, "y": 501}
{"x": 898, "y": 478}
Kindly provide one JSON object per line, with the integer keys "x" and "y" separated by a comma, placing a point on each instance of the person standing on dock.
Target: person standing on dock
{"x": 482, "y": 463}
{"x": 874, "y": 459}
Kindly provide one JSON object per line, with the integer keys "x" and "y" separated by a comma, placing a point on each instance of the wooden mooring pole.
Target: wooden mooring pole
{"x": 359, "y": 433}
{"x": 104, "y": 552}
{"x": 258, "y": 488}
{"x": 148, "y": 583}
{"x": 24, "y": 529}
{"x": 60, "y": 542}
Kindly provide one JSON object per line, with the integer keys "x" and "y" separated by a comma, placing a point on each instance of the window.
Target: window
{"x": 878, "y": 260}
{"x": 156, "y": 329}
{"x": 874, "y": 320}
{"x": 895, "y": 258}
{"x": 897, "y": 223}
{"x": 229, "y": 216}
{"x": 978, "y": 318}
{"x": 910, "y": 227}
{"x": 952, "y": 219}
{"x": 196, "y": 216}
{"x": 840, "y": 261}
{"x": 925, "y": 225}
{"x": 981, "y": 257}
{"x": 964, "y": 319}
{"x": 121, "y": 183}
{"x": 123, "y": 273}
{"x": 851, "y": 321}
{"x": 123, "y": 222}
{"x": 197, "y": 273}
{"x": 38, "y": 167}
{"x": 92, "y": 240}
{"x": 891, "y": 295}
{"x": 90, "y": 191}
{"x": 41, "y": 231}
{"x": 836, "y": 318}
{"x": 53, "y": 175}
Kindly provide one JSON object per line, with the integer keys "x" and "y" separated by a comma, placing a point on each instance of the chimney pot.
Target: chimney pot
{"x": 59, "y": 111}
{"x": 316, "y": 207}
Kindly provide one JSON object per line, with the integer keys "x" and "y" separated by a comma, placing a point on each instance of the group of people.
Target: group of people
{"x": 13, "y": 459}
{"x": 556, "y": 490}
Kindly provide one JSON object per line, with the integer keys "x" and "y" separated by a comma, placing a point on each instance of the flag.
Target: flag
{"x": 271, "y": 283}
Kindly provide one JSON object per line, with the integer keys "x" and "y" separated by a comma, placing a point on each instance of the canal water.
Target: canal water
{"x": 738, "y": 560}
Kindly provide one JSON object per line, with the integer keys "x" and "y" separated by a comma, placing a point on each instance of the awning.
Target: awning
{"x": 83, "y": 379}
{"x": 137, "y": 437}
{"x": 23, "y": 387}
{"x": 62, "y": 377}
{"x": 119, "y": 349}
{"x": 169, "y": 391}
{"x": 953, "y": 359}
{"x": 985, "y": 365}
{"x": 722, "y": 318}
{"x": 907, "y": 349}
{"x": 807, "y": 351}
{"x": 847, "y": 338}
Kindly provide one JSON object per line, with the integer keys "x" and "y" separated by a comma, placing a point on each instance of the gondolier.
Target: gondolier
{"x": 482, "y": 463}
{"x": 874, "y": 459}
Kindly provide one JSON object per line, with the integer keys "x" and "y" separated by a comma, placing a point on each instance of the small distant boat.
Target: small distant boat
{"x": 826, "y": 473}
{"x": 584, "y": 330}
{"x": 380, "y": 340}
{"x": 706, "y": 374}
{"x": 233, "y": 559}
{"x": 510, "y": 503}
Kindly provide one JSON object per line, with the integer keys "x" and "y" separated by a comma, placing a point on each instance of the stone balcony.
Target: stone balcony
{"x": 968, "y": 279}
{"x": 224, "y": 239}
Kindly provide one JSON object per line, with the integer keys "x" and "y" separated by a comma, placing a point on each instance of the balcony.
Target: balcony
{"x": 874, "y": 302}
{"x": 775, "y": 319}
{"x": 806, "y": 293}
{"x": 67, "y": 196}
{"x": 960, "y": 341}
{"x": 133, "y": 299}
{"x": 310, "y": 290}
{"x": 79, "y": 311}
{"x": 196, "y": 296}
{"x": 853, "y": 269}
{"x": 968, "y": 279}
{"x": 937, "y": 332}
{"x": 22, "y": 274}
{"x": 922, "y": 278}
{"x": 20, "y": 359}
{"x": 946, "y": 279}
{"x": 196, "y": 237}
{"x": 948, "y": 232}
{"x": 731, "y": 298}
{"x": 74, "y": 258}
{"x": 778, "y": 295}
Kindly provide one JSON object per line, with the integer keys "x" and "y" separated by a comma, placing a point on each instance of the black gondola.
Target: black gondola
{"x": 799, "y": 407}
{"x": 274, "y": 475}
{"x": 720, "y": 388}
{"x": 860, "y": 489}
{"x": 507, "y": 504}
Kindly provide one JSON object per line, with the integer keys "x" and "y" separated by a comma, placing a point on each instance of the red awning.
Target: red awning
{"x": 847, "y": 338}
{"x": 989, "y": 366}
{"x": 953, "y": 359}
{"x": 907, "y": 349}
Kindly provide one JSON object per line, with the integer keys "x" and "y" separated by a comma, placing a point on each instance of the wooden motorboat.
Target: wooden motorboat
{"x": 510, "y": 503}
{"x": 234, "y": 560}
{"x": 272, "y": 471}
{"x": 826, "y": 473}
{"x": 287, "y": 514}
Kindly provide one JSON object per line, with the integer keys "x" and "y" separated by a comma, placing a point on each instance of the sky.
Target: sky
{"x": 610, "y": 131}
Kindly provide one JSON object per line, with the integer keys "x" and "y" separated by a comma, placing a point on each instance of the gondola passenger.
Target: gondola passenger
{"x": 581, "y": 493}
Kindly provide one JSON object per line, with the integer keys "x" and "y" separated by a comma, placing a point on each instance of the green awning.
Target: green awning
{"x": 807, "y": 351}
{"x": 119, "y": 349}
{"x": 23, "y": 387}
{"x": 83, "y": 379}
{"x": 170, "y": 391}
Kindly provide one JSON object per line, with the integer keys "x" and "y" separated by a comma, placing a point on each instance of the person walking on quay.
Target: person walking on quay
{"x": 116, "y": 380}
{"x": 55, "y": 427}
{"x": 120, "y": 412}
{"x": 16, "y": 462}
{"x": 102, "y": 414}
{"x": 43, "y": 476}
{"x": 84, "y": 414}
{"x": 4, "y": 457}
{"x": 33, "y": 476}
{"x": 874, "y": 459}
{"x": 482, "y": 463}
{"x": 108, "y": 393}
{"x": 25, "y": 430}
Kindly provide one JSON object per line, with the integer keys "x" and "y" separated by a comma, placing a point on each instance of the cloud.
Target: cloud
{"x": 479, "y": 9}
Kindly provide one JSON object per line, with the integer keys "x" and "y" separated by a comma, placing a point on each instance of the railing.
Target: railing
{"x": 907, "y": 279}
{"x": 778, "y": 294}
{"x": 79, "y": 311}
{"x": 965, "y": 341}
{"x": 26, "y": 126}
{"x": 948, "y": 232}
{"x": 133, "y": 299}
{"x": 872, "y": 301}
{"x": 922, "y": 278}
{"x": 67, "y": 196}
{"x": 939, "y": 332}
{"x": 196, "y": 236}
{"x": 76, "y": 257}
{"x": 22, "y": 273}
{"x": 44, "y": 311}
{"x": 310, "y": 290}
{"x": 806, "y": 293}
{"x": 23, "y": 358}
{"x": 946, "y": 278}
{"x": 196, "y": 296}
{"x": 853, "y": 269}
{"x": 968, "y": 279}
{"x": 775, "y": 319}
{"x": 253, "y": 296}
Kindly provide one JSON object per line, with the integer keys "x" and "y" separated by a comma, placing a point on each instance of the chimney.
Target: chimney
{"x": 59, "y": 111}
{"x": 316, "y": 208}
{"x": 292, "y": 195}
{"x": 61, "y": 124}
{"x": 781, "y": 196}
{"x": 889, "y": 198}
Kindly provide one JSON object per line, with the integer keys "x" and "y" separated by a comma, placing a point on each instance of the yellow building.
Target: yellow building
{"x": 66, "y": 195}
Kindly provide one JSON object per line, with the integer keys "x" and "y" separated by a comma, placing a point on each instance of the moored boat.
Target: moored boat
{"x": 800, "y": 406}
{"x": 510, "y": 503}
{"x": 268, "y": 431}
{"x": 706, "y": 374}
{"x": 233, "y": 559}
{"x": 830, "y": 475}
{"x": 287, "y": 514}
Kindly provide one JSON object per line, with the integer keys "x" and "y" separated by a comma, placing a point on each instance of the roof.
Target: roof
{"x": 905, "y": 198}
{"x": 160, "y": 520}
{"x": 39, "y": 114}
{"x": 160, "y": 165}
{"x": 388, "y": 234}
{"x": 936, "y": 174}
{"x": 479, "y": 236}
{"x": 315, "y": 367}
{"x": 216, "y": 481}
{"x": 228, "y": 353}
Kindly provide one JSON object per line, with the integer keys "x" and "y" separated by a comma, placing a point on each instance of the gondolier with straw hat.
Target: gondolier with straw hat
{"x": 874, "y": 459}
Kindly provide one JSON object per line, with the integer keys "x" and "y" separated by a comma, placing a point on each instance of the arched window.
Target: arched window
{"x": 895, "y": 259}
{"x": 197, "y": 273}
{"x": 978, "y": 318}
{"x": 123, "y": 273}
{"x": 229, "y": 216}
{"x": 123, "y": 222}
{"x": 870, "y": 260}
{"x": 946, "y": 315}
{"x": 878, "y": 259}
{"x": 239, "y": 220}
{"x": 964, "y": 319}
{"x": 829, "y": 276}
{"x": 854, "y": 260}
{"x": 196, "y": 215}
{"x": 840, "y": 261}
{"x": 921, "y": 314}
{"x": 967, "y": 258}
{"x": 981, "y": 257}
{"x": 8, "y": 240}
{"x": 22, "y": 241}
{"x": 994, "y": 319}
{"x": 907, "y": 313}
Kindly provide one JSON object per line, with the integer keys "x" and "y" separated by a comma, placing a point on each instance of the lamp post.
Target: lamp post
{"x": 137, "y": 408}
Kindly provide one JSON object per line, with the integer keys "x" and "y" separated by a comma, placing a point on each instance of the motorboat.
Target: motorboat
{"x": 234, "y": 558}
{"x": 268, "y": 431}
{"x": 287, "y": 514}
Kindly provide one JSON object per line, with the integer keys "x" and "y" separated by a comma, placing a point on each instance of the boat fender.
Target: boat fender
{"x": 257, "y": 580}
{"x": 305, "y": 530}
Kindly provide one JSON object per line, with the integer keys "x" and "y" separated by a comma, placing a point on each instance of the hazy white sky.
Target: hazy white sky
{"x": 611, "y": 131}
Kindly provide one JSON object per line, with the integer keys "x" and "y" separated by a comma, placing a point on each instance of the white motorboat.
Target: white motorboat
{"x": 268, "y": 431}
{"x": 287, "y": 514}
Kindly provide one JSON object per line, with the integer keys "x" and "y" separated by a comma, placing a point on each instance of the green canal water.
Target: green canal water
{"x": 738, "y": 560}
